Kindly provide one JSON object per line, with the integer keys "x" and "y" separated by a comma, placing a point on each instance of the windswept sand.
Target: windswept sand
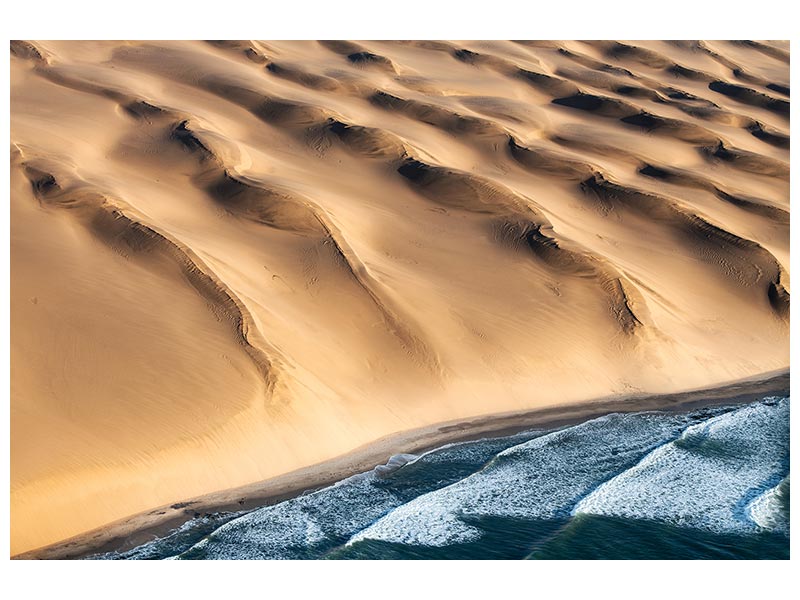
{"x": 234, "y": 260}
{"x": 128, "y": 533}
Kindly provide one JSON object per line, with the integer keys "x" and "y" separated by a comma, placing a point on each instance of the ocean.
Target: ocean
{"x": 711, "y": 483}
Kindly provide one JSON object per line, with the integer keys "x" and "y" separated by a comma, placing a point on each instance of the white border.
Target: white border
{"x": 396, "y": 19}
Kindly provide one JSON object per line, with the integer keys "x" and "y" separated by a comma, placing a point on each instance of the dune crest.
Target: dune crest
{"x": 234, "y": 259}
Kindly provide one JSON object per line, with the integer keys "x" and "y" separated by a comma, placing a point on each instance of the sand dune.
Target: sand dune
{"x": 231, "y": 260}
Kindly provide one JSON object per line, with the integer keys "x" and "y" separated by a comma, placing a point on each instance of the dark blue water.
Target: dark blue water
{"x": 708, "y": 484}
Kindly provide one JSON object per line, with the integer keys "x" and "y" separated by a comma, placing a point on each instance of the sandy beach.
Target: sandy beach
{"x": 244, "y": 269}
{"x": 140, "y": 528}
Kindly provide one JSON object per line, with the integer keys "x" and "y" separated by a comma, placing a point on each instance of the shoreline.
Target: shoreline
{"x": 132, "y": 531}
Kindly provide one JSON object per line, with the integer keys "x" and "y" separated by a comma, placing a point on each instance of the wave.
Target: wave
{"x": 293, "y": 528}
{"x": 770, "y": 510}
{"x": 712, "y": 472}
{"x": 705, "y": 478}
{"x": 178, "y": 540}
{"x": 540, "y": 479}
{"x": 311, "y": 524}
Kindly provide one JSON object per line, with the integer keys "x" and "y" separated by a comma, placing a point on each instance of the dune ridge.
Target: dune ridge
{"x": 110, "y": 220}
{"x": 235, "y": 259}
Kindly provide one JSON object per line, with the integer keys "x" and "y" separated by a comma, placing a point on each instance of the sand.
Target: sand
{"x": 131, "y": 532}
{"x": 232, "y": 261}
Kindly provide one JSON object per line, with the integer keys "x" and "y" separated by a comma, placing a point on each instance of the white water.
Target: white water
{"x": 705, "y": 477}
{"x": 714, "y": 469}
{"x": 540, "y": 479}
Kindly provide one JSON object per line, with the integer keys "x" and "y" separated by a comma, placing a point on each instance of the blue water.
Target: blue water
{"x": 712, "y": 483}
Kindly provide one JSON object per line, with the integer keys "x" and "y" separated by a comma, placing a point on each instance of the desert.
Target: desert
{"x": 232, "y": 261}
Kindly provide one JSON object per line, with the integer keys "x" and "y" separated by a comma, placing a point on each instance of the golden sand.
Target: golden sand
{"x": 230, "y": 261}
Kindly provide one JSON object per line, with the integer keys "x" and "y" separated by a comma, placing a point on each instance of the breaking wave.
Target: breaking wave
{"x": 708, "y": 482}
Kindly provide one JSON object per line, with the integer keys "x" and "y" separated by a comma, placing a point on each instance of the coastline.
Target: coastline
{"x": 137, "y": 529}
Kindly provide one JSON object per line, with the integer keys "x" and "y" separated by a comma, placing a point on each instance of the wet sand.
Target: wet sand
{"x": 133, "y": 531}
{"x": 233, "y": 262}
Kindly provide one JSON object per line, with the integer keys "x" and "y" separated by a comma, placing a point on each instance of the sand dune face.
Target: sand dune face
{"x": 234, "y": 259}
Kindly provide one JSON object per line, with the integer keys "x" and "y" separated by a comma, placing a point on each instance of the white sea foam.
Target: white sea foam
{"x": 767, "y": 510}
{"x": 541, "y": 478}
{"x": 474, "y": 450}
{"x": 160, "y": 546}
{"x": 287, "y": 529}
{"x": 704, "y": 478}
{"x": 394, "y": 463}
{"x": 715, "y": 474}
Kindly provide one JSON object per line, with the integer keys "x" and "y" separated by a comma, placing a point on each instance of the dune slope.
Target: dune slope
{"x": 230, "y": 260}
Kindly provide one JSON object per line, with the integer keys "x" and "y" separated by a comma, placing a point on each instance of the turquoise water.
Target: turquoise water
{"x": 707, "y": 484}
